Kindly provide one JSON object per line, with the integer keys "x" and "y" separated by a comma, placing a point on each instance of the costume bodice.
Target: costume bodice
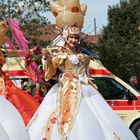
{"x": 75, "y": 64}
{"x": 71, "y": 63}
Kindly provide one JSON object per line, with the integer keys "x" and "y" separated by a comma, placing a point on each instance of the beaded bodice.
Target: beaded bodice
{"x": 75, "y": 64}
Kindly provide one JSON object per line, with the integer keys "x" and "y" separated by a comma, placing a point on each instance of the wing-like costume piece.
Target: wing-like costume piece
{"x": 18, "y": 35}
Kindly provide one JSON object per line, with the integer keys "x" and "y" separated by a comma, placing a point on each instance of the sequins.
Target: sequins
{"x": 53, "y": 120}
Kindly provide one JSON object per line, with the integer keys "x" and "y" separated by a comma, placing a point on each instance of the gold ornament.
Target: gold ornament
{"x": 3, "y": 31}
{"x": 68, "y": 12}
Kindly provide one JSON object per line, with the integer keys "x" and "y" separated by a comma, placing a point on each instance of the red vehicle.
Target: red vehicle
{"x": 121, "y": 97}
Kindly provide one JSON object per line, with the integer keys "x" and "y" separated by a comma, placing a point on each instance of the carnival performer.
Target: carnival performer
{"x": 73, "y": 109}
{"x": 24, "y": 103}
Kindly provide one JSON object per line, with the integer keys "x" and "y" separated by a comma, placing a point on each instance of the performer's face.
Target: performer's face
{"x": 73, "y": 40}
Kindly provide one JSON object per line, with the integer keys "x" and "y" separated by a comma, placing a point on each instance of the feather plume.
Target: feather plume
{"x": 18, "y": 35}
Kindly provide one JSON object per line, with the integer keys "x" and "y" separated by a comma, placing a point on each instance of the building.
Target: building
{"x": 49, "y": 33}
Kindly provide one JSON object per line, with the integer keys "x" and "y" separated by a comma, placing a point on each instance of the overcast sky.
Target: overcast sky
{"x": 96, "y": 9}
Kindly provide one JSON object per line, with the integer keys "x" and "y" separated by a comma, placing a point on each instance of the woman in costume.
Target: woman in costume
{"x": 73, "y": 109}
{"x": 24, "y": 103}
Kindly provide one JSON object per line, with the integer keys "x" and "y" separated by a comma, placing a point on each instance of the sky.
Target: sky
{"x": 96, "y": 9}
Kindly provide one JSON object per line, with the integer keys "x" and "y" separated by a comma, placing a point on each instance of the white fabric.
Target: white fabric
{"x": 95, "y": 119}
{"x": 17, "y": 83}
{"x": 3, "y": 134}
{"x": 11, "y": 124}
{"x": 74, "y": 59}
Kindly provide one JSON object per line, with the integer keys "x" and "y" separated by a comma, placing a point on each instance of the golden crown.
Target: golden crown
{"x": 68, "y": 12}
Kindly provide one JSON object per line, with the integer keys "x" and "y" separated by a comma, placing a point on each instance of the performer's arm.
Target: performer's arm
{"x": 52, "y": 62}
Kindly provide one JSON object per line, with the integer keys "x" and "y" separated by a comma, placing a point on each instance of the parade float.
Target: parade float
{"x": 83, "y": 114}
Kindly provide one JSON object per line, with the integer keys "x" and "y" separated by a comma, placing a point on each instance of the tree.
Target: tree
{"x": 30, "y": 13}
{"x": 90, "y": 47}
{"x": 119, "y": 45}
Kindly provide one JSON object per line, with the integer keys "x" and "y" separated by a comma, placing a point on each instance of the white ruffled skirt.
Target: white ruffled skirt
{"x": 12, "y": 126}
{"x": 95, "y": 119}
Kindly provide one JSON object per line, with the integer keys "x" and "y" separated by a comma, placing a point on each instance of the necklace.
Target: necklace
{"x": 71, "y": 51}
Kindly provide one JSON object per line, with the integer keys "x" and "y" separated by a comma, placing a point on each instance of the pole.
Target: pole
{"x": 9, "y": 10}
{"x": 95, "y": 26}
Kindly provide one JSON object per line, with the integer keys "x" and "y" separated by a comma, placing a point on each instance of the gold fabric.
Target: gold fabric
{"x": 2, "y": 87}
{"x": 68, "y": 12}
{"x": 3, "y": 31}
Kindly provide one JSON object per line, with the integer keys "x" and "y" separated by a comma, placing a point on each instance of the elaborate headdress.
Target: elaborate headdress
{"x": 69, "y": 16}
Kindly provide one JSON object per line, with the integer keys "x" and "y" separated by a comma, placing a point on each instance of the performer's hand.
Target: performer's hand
{"x": 46, "y": 55}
